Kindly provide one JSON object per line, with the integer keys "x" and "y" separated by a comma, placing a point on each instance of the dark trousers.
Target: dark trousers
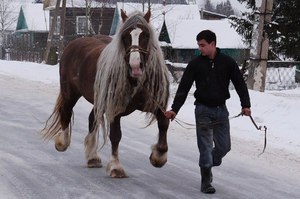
{"x": 213, "y": 134}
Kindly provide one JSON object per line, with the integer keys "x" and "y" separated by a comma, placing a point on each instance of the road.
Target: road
{"x": 31, "y": 168}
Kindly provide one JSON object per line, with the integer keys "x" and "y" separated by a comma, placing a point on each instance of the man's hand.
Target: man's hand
{"x": 170, "y": 115}
{"x": 246, "y": 111}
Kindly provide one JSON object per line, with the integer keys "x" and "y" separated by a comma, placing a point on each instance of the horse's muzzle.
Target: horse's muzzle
{"x": 136, "y": 72}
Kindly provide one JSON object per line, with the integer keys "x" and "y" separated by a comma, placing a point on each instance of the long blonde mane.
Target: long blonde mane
{"x": 112, "y": 89}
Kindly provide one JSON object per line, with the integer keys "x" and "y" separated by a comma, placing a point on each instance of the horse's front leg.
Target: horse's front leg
{"x": 62, "y": 140}
{"x": 114, "y": 167}
{"x": 64, "y": 110}
{"x": 158, "y": 157}
{"x": 91, "y": 144}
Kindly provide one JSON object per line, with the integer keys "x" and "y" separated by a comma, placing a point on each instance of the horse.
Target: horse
{"x": 117, "y": 75}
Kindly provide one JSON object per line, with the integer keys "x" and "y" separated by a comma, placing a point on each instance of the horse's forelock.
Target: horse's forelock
{"x": 133, "y": 20}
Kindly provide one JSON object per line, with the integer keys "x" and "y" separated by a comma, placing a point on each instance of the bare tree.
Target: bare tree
{"x": 8, "y": 16}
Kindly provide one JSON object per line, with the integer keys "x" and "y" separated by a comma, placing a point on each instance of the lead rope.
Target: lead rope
{"x": 259, "y": 128}
{"x": 192, "y": 126}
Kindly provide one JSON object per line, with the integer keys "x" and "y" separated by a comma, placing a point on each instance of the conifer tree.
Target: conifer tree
{"x": 283, "y": 31}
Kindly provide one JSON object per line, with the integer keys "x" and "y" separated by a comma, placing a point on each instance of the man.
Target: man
{"x": 211, "y": 72}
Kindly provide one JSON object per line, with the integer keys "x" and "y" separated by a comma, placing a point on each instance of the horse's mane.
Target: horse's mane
{"x": 112, "y": 89}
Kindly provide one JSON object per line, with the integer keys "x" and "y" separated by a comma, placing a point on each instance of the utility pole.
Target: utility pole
{"x": 51, "y": 32}
{"x": 62, "y": 15}
{"x": 259, "y": 48}
{"x": 62, "y": 28}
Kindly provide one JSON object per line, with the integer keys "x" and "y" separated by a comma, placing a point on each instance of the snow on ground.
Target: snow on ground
{"x": 278, "y": 110}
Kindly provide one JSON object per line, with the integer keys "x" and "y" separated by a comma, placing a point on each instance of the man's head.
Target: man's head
{"x": 206, "y": 41}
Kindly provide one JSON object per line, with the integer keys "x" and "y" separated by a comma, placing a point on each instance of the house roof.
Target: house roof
{"x": 50, "y": 4}
{"x": 187, "y": 30}
{"x": 34, "y": 17}
{"x": 21, "y": 24}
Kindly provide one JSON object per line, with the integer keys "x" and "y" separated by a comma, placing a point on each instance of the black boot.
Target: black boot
{"x": 206, "y": 179}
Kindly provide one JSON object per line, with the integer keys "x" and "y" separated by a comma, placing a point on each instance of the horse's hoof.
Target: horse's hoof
{"x": 94, "y": 163}
{"x": 115, "y": 173}
{"x": 158, "y": 161}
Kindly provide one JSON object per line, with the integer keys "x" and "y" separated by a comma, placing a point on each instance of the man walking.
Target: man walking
{"x": 212, "y": 72}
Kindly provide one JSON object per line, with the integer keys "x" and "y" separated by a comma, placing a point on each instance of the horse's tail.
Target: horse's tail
{"x": 53, "y": 123}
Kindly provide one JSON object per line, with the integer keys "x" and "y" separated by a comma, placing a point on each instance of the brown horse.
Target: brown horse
{"x": 118, "y": 76}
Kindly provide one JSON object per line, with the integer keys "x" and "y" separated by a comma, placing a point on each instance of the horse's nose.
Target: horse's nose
{"x": 136, "y": 72}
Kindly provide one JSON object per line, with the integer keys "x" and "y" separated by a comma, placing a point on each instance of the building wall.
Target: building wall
{"x": 101, "y": 20}
{"x": 186, "y": 55}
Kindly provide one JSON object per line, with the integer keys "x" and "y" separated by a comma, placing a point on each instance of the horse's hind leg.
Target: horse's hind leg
{"x": 91, "y": 145}
{"x": 158, "y": 157}
{"x": 63, "y": 138}
{"x": 114, "y": 167}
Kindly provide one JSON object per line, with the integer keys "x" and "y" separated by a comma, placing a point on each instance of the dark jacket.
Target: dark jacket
{"x": 212, "y": 78}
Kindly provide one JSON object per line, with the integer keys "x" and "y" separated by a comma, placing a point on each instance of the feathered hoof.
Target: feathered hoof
{"x": 94, "y": 163}
{"x": 115, "y": 169}
{"x": 158, "y": 160}
{"x": 62, "y": 141}
{"x": 116, "y": 173}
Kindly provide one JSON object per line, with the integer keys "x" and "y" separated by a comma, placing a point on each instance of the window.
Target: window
{"x": 82, "y": 25}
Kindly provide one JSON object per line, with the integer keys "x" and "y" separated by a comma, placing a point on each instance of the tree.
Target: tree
{"x": 8, "y": 17}
{"x": 225, "y": 8}
{"x": 208, "y": 6}
{"x": 283, "y": 30}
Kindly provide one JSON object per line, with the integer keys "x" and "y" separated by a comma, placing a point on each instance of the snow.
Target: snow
{"x": 221, "y": 28}
{"x": 31, "y": 11}
{"x": 37, "y": 19}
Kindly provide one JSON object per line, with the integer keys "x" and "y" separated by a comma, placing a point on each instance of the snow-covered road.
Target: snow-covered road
{"x": 31, "y": 168}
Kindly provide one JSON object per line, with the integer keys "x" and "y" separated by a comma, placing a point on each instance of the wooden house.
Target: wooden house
{"x": 34, "y": 23}
{"x": 30, "y": 35}
{"x": 81, "y": 20}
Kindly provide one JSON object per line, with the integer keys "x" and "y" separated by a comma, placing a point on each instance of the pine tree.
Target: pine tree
{"x": 208, "y": 6}
{"x": 224, "y": 8}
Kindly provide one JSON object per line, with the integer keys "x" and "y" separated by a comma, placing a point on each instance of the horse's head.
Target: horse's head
{"x": 135, "y": 38}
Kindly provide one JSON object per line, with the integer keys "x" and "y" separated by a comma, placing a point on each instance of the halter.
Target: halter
{"x": 135, "y": 48}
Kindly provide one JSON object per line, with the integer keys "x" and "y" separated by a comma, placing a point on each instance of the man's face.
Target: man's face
{"x": 205, "y": 48}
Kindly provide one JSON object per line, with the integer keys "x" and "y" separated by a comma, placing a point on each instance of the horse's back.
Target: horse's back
{"x": 78, "y": 65}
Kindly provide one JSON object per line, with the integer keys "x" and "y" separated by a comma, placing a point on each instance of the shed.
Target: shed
{"x": 183, "y": 46}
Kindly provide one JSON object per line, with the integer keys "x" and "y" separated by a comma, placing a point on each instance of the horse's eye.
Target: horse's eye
{"x": 126, "y": 40}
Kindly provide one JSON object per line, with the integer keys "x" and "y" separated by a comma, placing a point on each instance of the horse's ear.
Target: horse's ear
{"x": 148, "y": 15}
{"x": 123, "y": 15}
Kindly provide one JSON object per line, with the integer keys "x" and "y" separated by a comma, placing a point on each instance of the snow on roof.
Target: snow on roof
{"x": 77, "y": 4}
{"x": 37, "y": 19}
{"x": 183, "y": 24}
{"x": 187, "y": 31}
